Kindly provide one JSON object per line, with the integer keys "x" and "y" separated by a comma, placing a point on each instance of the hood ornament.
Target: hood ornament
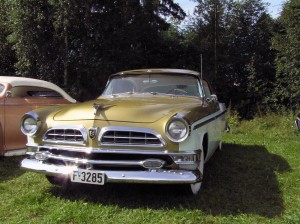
{"x": 100, "y": 106}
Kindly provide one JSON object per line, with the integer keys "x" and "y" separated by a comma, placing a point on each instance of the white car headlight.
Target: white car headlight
{"x": 177, "y": 129}
{"x": 30, "y": 124}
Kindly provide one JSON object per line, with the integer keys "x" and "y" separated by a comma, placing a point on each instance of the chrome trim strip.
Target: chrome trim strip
{"x": 101, "y": 162}
{"x": 79, "y": 128}
{"x": 119, "y": 151}
{"x": 131, "y": 129}
{"x": 150, "y": 176}
{"x": 207, "y": 119}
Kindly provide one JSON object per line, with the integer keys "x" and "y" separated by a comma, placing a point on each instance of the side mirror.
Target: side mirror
{"x": 8, "y": 94}
{"x": 214, "y": 97}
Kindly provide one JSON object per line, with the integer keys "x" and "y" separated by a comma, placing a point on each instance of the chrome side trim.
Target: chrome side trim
{"x": 207, "y": 119}
{"x": 131, "y": 129}
{"x": 64, "y": 128}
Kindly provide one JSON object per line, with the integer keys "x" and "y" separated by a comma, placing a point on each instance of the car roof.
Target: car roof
{"x": 160, "y": 70}
{"x": 22, "y": 81}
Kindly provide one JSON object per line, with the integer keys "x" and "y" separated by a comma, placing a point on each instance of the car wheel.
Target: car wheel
{"x": 193, "y": 189}
{"x": 58, "y": 180}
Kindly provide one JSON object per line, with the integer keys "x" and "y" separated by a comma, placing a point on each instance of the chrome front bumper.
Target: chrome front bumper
{"x": 158, "y": 176}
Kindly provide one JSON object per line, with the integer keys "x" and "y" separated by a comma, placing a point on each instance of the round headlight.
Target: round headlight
{"x": 177, "y": 130}
{"x": 30, "y": 124}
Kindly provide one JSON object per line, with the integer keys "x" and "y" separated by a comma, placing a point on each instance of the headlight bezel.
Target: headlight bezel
{"x": 172, "y": 121}
{"x": 30, "y": 132}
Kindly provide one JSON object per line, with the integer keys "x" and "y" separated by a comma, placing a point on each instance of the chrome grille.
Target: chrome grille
{"x": 132, "y": 138}
{"x": 71, "y": 135}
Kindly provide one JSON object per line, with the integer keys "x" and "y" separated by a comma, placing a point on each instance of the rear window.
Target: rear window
{"x": 52, "y": 94}
{"x": 34, "y": 91}
{"x": 1, "y": 88}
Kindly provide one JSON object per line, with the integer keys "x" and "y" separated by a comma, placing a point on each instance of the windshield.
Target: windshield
{"x": 154, "y": 84}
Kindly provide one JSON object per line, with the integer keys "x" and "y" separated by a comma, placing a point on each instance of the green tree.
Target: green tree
{"x": 208, "y": 35}
{"x": 7, "y": 55}
{"x": 286, "y": 42}
{"x": 33, "y": 40}
{"x": 78, "y": 43}
{"x": 99, "y": 38}
{"x": 235, "y": 38}
{"x": 251, "y": 58}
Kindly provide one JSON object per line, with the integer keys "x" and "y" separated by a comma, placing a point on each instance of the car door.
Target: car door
{"x": 213, "y": 126}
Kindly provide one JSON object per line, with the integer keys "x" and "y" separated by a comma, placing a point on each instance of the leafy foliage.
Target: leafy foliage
{"x": 286, "y": 42}
{"x": 7, "y": 55}
{"x": 235, "y": 37}
{"x": 77, "y": 44}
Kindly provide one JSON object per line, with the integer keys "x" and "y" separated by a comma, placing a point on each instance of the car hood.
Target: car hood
{"x": 127, "y": 108}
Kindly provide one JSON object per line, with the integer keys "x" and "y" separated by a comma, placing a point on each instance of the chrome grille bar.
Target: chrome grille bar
{"x": 122, "y": 136}
{"x": 66, "y": 134}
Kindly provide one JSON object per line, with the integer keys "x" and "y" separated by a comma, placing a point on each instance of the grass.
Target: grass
{"x": 254, "y": 179}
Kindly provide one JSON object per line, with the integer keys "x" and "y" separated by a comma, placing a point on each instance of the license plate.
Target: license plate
{"x": 88, "y": 176}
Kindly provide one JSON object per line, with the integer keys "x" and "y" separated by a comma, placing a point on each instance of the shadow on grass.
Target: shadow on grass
{"x": 238, "y": 179}
{"x": 9, "y": 167}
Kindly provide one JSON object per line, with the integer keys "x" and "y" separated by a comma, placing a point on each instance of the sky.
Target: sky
{"x": 274, "y": 8}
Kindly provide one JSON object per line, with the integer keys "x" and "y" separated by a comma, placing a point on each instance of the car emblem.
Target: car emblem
{"x": 92, "y": 133}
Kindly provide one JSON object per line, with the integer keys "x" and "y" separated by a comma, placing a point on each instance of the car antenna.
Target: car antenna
{"x": 201, "y": 76}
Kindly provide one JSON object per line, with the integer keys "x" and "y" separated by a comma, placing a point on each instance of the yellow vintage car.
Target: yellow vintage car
{"x": 155, "y": 126}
